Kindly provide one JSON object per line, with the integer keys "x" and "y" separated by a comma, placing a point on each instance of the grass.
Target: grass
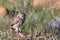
{"x": 36, "y": 18}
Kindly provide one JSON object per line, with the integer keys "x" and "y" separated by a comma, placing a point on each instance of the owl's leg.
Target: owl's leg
{"x": 15, "y": 28}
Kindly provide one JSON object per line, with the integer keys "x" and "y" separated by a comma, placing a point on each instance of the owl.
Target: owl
{"x": 18, "y": 21}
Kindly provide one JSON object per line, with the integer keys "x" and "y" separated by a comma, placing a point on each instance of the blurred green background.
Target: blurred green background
{"x": 36, "y": 19}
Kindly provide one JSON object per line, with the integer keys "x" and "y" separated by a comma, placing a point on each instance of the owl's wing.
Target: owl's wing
{"x": 15, "y": 20}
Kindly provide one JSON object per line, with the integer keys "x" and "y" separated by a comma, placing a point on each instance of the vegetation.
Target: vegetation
{"x": 36, "y": 19}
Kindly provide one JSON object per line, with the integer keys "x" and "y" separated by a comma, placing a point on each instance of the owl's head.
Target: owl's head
{"x": 21, "y": 14}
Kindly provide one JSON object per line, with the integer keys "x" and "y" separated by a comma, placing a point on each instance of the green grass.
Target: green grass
{"x": 36, "y": 18}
